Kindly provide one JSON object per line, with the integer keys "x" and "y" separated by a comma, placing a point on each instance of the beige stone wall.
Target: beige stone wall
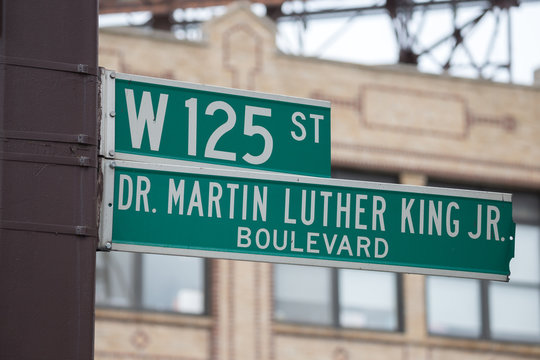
{"x": 392, "y": 119}
{"x": 383, "y": 119}
{"x": 125, "y": 335}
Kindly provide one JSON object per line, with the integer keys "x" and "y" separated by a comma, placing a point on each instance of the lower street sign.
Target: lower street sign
{"x": 282, "y": 218}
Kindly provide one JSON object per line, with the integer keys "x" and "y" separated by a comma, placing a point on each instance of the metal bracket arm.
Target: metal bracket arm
{"x": 49, "y": 65}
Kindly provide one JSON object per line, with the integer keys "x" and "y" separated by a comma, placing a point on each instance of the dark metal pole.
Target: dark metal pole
{"x": 48, "y": 172}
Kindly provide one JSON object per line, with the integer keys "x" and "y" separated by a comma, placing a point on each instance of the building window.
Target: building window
{"x": 368, "y": 300}
{"x": 337, "y": 297}
{"x": 514, "y": 307}
{"x": 303, "y": 294}
{"x": 151, "y": 282}
{"x": 453, "y": 306}
{"x": 494, "y": 310}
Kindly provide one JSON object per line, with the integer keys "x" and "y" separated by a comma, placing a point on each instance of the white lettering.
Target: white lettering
{"x": 385, "y": 251}
{"x": 244, "y": 234}
{"x": 145, "y": 117}
{"x": 294, "y": 118}
{"x": 345, "y": 245}
{"x": 311, "y": 241}
{"x": 259, "y": 203}
{"x": 312, "y": 208}
{"x": 282, "y": 247}
{"x": 378, "y": 212}
{"x": 452, "y": 233}
{"x": 492, "y": 222}
{"x": 421, "y": 225}
{"x": 406, "y": 215}
{"x": 142, "y": 193}
{"x": 288, "y": 220}
{"x": 210, "y": 150}
{"x": 195, "y": 200}
{"x": 325, "y": 195}
{"x": 359, "y": 210}
{"x": 329, "y": 246}
{"x": 435, "y": 217}
{"x": 257, "y": 238}
{"x": 176, "y": 196}
{"x": 213, "y": 199}
{"x": 125, "y": 179}
{"x": 250, "y": 130}
{"x": 362, "y": 243}
{"x": 316, "y": 118}
{"x": 478, "y": 224}
{"x": 343, "y": 209}
{"x": 232, "y": 188}
{"x": 244, "y": 202}
{"x": 292, "y": 243}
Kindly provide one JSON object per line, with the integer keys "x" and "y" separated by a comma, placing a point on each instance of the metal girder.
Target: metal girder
{"x": 391, "y": 7}
{"x": 165, "y": 6}
{"x": 407, "y": 16}
{"x": 408, "y": 19}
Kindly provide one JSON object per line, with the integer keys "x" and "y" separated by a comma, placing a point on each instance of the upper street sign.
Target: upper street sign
{"x": 171, "y": 209}
{"x": 175, "y": 121}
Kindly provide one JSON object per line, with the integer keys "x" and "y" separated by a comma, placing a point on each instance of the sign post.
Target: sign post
{"x": 48, "y": 169}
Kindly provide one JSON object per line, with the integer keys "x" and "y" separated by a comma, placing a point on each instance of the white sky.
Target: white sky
{"x": 369, "y": 39}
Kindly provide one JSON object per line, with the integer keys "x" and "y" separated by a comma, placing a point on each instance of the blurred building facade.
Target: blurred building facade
{"x": 389, "y": 124}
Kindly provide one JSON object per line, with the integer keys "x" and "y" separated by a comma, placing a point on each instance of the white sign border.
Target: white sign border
{"x": 306, "y": 261}
{"x": 222, "y": 90}
{"x": 310, "y": 180}
{"x": 106, "y": 209}
{"x": 108, "y": 113}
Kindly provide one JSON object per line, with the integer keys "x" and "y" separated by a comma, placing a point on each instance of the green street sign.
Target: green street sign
{"x": 175, "y": 121}
{"x": 160, "y": 208}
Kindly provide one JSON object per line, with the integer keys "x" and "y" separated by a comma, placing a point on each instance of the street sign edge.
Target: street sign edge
{"x": 306, "y": 261}
{"x": 223, "y": 90}
{"x": 106, "y": 212}
{"x": 311, "y": 180}
{"x": 122, "y": 156}
{"x": 108, "y": 113}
